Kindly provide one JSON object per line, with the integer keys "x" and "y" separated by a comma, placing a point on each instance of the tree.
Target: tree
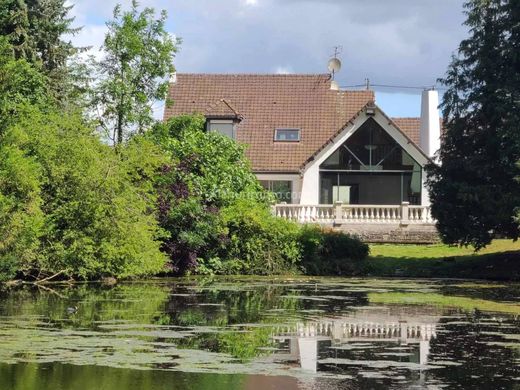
{"x": 21, "y": 218}
{"x": 133, "y": 73}
{"x": 97, "y": 205}
{"x": 14, "y": 25}
{"x": 20, "y": 84}
{"x": 36, "y": 29}
{"x": 474, "y": 192}
{"x": 206, "y": 172}
{"x": 49, "y": 22}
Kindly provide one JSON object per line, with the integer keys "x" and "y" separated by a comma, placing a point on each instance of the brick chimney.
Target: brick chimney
{"x": 430, "y": 135}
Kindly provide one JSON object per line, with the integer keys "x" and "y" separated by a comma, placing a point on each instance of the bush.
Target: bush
{"x": 259, "y": 243}
{"x": 97, "y": 215}
{"x": 206, "y": 173}
{"x": 327, "y": 252}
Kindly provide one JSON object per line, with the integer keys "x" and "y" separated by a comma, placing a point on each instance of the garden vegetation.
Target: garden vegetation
{"x": 86, "y": 195}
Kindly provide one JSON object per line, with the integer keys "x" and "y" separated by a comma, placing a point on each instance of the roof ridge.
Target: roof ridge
{"x": 255, "y": 74}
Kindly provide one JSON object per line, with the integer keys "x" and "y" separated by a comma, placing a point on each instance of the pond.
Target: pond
{"x": 261, "y": 333}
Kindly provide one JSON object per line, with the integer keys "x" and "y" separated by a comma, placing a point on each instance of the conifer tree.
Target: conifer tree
{"x": 474, "y": 194}
{"x": 14, "y": 25}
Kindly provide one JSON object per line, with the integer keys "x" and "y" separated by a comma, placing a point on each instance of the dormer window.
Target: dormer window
{"x": 223, "y": 126}
{"x": 287, "y": 135}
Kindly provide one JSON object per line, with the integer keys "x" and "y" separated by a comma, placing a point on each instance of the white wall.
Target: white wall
{"x": 311, "y": 186}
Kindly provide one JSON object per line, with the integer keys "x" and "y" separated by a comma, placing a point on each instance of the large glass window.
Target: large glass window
{"x": 370, "y": 168}
{"x": 222, "y": 126}
{"x": 282, "y": 189}
{"x": 370, "y": 148}
{"x": 383, "y": 188}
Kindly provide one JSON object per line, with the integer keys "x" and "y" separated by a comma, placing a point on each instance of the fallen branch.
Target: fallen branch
{"x": 50, "y": 277}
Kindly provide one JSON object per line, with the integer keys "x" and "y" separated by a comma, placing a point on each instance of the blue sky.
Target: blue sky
{"x": 391, "y": 42}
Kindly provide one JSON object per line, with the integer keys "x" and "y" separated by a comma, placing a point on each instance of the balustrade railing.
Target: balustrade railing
{"x": 305, "y": 213}
{"x": 340, "y": 213}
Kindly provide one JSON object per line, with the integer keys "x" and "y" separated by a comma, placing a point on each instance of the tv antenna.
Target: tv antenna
{"x": 335, "y": 63}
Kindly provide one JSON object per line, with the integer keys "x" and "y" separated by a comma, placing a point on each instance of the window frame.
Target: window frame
{"x": 279, "y": 194}
{"x": 298, "y": 130}
{"x": 214, "y": 121}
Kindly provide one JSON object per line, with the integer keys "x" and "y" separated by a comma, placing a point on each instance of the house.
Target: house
{"x": 317, "y": 146}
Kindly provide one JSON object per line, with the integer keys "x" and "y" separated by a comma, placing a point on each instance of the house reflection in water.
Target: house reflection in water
{"x": 389, "y": 339}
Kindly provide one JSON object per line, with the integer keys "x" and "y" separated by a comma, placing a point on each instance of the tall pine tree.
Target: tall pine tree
{"x": 474, "y": 192}
{"x": 36, "y": 29}
{"x": 49, "y": 23}
{"x": 14, "y": 25}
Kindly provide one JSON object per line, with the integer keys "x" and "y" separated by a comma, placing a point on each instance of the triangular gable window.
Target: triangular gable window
{"x": 370, "y": 148}
{"x": 370, "y": 168}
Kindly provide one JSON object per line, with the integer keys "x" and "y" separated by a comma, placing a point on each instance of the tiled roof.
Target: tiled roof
{"x": 410, "y": 126}
{"x": 221, "y": 109}
{"x": 267, "y": 102}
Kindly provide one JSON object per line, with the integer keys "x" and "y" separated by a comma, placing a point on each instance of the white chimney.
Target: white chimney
{"x": 430, "y": 135}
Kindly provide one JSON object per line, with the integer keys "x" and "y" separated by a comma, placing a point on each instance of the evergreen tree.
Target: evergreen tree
{"x": 49, "y": 22}
{"x": 474, "y": 192}
{"x": 36, "y": 29}
{"x": 14, "y": 25}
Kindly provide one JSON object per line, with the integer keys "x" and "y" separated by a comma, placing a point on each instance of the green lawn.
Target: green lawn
{"x": 500, "y": 260}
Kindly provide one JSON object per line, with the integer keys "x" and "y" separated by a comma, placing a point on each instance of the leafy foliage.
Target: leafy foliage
{"x": 20, "y": 83}
{"x": 207, "y": 172}
{"x": 138, "y": 59}
{"x": 474, "y": 192}
{"x": 327, "y": 252}
{"x": 259, "y": 243}
{"x": 21, "y": 218}
{"x": 96, "y": 214}
{"x": 35, "y": 30}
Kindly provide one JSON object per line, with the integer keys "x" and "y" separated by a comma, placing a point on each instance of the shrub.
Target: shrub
{"x": 259, "y": 243}
{"x": 327, "y": 252}
{"x": 207, "y": 172}
{"x": 97, "y": 217}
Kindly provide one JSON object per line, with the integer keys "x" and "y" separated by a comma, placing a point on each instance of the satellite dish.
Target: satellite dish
{"x": 334, "y": 65}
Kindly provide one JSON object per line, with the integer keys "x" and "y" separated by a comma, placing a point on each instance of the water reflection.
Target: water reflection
{"x": 397, "y": 337}
{"x": 305, "y": 334}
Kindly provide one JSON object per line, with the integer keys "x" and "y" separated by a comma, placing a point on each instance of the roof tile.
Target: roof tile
{"x": 267, "y": 102}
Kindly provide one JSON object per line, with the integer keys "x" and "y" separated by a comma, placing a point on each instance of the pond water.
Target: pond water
{"x": 259, "y": 334}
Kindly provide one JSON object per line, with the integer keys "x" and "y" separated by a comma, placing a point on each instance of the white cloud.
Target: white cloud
{"x": 250, "y": 2}
{"x": 91, "y": 35}
{"x": 284, "y": 70}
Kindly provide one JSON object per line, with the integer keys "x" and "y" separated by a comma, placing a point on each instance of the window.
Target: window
{"x": 282, "y": 189}
{"x": 290, "y": 135}
{"x": 223, "y": 126}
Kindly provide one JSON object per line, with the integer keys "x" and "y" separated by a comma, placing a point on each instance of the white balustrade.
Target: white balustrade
{"x": 305, "y": 213}
{"x": 341, "y": 213}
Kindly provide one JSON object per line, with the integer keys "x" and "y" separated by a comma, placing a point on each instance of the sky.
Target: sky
{"x": 390, "y": 42}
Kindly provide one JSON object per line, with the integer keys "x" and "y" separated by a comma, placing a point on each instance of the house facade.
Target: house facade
{"x": 313, "y": 144}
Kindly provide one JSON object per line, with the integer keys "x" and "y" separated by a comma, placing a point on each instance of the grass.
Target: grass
{"x": 439, "y": 300}
{"x": 498, "y": 261}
